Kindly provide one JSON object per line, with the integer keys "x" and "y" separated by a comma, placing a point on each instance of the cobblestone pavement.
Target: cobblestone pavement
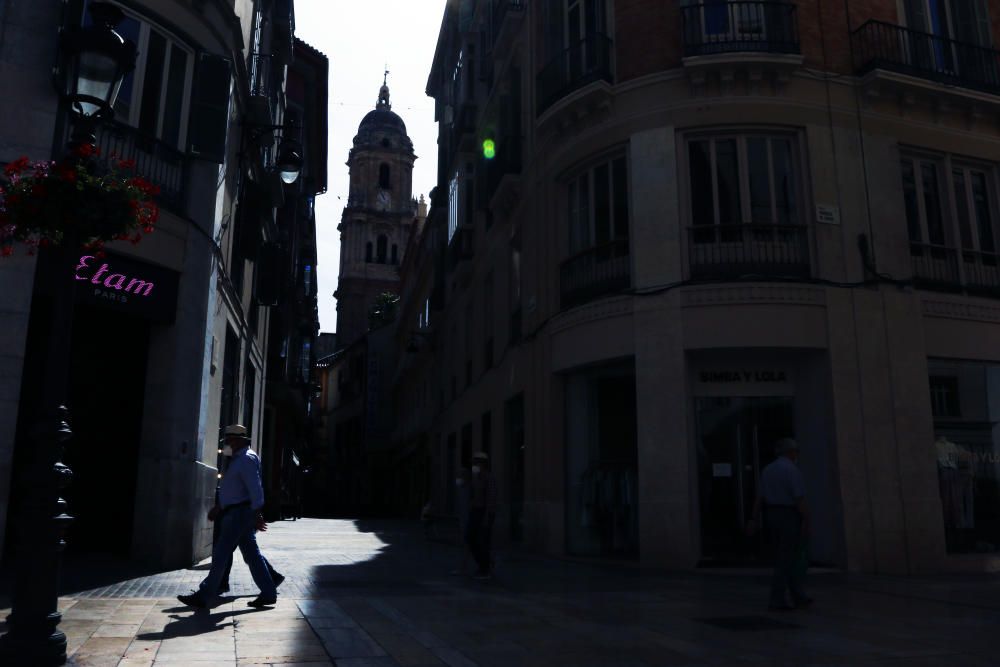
{"x": 378, "y": 594}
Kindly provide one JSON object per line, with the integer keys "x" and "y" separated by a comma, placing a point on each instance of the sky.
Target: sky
{"x": 361, "y": 38}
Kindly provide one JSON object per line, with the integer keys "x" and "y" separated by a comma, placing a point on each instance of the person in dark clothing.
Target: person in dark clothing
{"x": 276, "y": 576}
{"x": 482, "y": 514}
{"x": 782, "y": 501}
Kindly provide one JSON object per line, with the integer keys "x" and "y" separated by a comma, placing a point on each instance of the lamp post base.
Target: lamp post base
{"x": 41, "y": 644}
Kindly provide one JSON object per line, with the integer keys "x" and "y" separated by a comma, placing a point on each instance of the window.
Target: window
{"x": 739, "y": 179}
{"x": 368, "y": 252}
{"x": 488, "y": 321}
{"x": 395, "y": 254}
{"x": 946, "y": 214}
{"x": 944, "y": 396}
{"x": 453, "y": 206}
{"x": 598, "y": 206}
{"x": 384, "y": 180}
{"x": 965, "y": 399}
{"x": 469, "y": 314}
{"x": 307, "y": 279}
{"x": 380, "y": 251}
{"x": 156, "y": 95}
{"x": 514, "y": 288}
{"x": 486, "y": 441}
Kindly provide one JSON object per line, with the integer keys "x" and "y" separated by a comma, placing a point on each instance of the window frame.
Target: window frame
{"x": 139, "y": 76}
{"x": 571, "y": 184}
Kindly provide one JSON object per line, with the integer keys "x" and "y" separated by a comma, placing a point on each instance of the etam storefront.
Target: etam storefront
{"x": 122, "y": 305}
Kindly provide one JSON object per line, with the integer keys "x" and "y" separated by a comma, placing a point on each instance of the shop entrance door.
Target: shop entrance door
{"x": 736, "y": 438}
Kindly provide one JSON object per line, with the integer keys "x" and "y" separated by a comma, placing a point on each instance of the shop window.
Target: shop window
{"x": 965, "y": 399}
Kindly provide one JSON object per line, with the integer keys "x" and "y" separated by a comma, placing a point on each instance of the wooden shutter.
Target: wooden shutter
{"x": 209, "y": 124}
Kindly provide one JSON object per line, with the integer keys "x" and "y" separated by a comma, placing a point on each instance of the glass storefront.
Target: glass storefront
{"x": 965, "y": 402}
{"x": 602, "y": 506}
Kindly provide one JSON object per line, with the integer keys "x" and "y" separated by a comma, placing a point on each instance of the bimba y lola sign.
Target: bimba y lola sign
{"x": 127, "y": 285}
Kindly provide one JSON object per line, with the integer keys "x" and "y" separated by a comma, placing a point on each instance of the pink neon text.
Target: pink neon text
{"x": 114, "y": 281}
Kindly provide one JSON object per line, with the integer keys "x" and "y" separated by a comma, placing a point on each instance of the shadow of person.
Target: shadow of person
{"x": 199, "y": 622}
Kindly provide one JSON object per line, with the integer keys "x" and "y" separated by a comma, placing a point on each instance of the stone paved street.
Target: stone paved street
{"x": 379, "y": 594}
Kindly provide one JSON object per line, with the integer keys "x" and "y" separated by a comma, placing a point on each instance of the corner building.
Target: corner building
{"x": 707, "y": 226}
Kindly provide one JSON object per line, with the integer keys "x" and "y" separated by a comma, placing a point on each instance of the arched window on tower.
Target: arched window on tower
{"x": 384, "y": 173}
{"x": 368, "y": 252}
{"x": 395, "y": 254}
{"x": 381, "y": 249}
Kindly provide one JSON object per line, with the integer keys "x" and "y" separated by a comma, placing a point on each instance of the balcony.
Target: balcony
{"x": 937, "y": 267}
{"x": 156, "y": 161}
{"x": 737, "y": 27}
{"x": 502, "y": 186}
{"x": 264, "y": 88}
{"x": 501, "y": 28}
{"x": 588, "y": 61}
{"x": 748, "y": 250}
{"x": 596, "y": 272}
{"x": 893, "y": 48}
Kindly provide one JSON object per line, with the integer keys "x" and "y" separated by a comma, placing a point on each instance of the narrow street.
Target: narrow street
{"x": 379, "y": 593}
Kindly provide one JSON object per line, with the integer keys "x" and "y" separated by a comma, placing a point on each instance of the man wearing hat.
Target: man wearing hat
{"x": 241, "y": 498}
{"x": 482, "y": 513}
{"x": 782, "y": 498}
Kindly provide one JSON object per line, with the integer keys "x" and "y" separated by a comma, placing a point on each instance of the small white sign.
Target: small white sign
{"x": 827, "y": 214}
{"x": 722, "y": 470}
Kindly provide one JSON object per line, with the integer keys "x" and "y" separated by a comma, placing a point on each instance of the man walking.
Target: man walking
{"x": 786, "y": 518}
{"x": 241, "y": 497}
{"x": 482, "y": 514}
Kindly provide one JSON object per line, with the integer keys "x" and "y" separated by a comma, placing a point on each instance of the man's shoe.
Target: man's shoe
{"x": 484, "y": 576}
{"x": 803, "y": 603}
{"x": 261, "y": 601}
{"x": 193, "y": 600}
{"x": 224, "y": 588}
{"x": 277, "y": 579}
{"x": 780, "y": 607}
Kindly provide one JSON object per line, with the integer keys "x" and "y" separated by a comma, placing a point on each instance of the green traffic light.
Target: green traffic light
{"x": 489, "y": 149}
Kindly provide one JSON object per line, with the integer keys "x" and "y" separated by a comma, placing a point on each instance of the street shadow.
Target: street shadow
{"x": 196, "y": 622}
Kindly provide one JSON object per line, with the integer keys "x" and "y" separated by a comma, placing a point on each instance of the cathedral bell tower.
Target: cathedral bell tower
{"x": 376, "y": 221}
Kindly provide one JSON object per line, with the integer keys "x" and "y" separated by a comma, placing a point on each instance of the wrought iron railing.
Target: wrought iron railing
{"x": 500, "y": 9}
{"x": 981, "y": 271}
{"x": 595, "y": 272}
{"x": 157, "y": 162}
{"x": 259, "y": 73}
{"x": 935, "y": 266}
{"x": 507, "y": 161}
{"x": 880, "y": 45}
{"x": 586, "y": 61}
{"x": 724, "y": 27}
{"x": 733, "y": 251}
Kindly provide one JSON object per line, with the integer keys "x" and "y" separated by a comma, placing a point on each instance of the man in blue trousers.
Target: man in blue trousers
{"x": 241, "y": 498}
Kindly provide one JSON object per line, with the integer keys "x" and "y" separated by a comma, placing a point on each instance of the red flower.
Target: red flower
{"x": 17, "y": 166}
{"x": 126, "y": 164}
{"x": 6, "y": 251}
{"x": 86, "y": 150}
{"x": 43, "y": 243}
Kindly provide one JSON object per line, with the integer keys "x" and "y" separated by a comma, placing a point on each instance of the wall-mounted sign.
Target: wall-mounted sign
{"x": 744, "y": 380}
{"x": 827, "y": 214}
{"x": 127, "y": 285}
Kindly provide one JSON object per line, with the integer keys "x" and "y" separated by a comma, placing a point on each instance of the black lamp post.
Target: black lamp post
{"x": 288, "y": 163}
{"x": 95, "y": 60}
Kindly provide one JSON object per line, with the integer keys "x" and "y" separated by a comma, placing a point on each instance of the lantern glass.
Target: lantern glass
{"x": 96, "y": 80}
{"x": 288, "y": 164}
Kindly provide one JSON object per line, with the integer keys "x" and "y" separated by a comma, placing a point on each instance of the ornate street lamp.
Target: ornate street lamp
{"x": 95, "y": 60}
{"x": 289, "y": 161}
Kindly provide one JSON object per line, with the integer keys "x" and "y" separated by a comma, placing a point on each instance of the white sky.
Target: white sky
{"x": 360, "y": 37}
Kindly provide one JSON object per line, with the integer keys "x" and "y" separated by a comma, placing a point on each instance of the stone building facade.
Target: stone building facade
{"x": 666, "y": 234}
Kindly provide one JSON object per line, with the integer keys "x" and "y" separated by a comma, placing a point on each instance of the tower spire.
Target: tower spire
{"x": 383, "y": 92}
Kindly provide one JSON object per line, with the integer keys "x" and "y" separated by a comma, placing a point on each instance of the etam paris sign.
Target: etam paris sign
{"x": 127, "y": 285}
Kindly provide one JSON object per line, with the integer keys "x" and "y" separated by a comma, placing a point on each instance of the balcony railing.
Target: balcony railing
{"x": 879, "y": 45}
{"x": 734, "y": 251}
{"x": 947, "y": 269}
{"x": 586, "y": 61}
{"x": 770, "y": 27}
{"x": 259, "y": 71}
{"x": 507, "y": 161}
{"x": 935, "y": 266}
{"x": 599, "y": 271}
{"x": 157, "y": 162}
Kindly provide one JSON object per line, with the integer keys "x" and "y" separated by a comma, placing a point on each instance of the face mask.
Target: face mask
{"x": 475, "y": 470}
{"x": 227, "y": 450}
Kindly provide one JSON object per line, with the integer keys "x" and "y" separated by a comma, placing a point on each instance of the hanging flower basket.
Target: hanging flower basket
{"x": 80, "y": 200}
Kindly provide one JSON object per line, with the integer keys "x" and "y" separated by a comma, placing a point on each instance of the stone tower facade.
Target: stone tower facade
{"x": 376, "y": 222}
